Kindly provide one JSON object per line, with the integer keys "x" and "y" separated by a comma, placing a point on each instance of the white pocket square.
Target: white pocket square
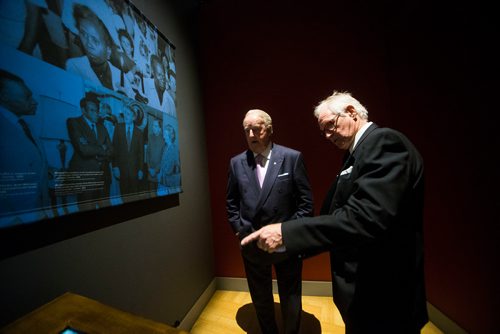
{"x": 346, "y": 171}
{"x": 284, "y": 174}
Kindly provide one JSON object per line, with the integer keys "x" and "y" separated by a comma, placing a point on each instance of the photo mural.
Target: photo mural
{"x": 87, "y": 108}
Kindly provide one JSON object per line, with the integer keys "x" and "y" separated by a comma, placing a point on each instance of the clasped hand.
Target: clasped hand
{"x": 268, "y": 238}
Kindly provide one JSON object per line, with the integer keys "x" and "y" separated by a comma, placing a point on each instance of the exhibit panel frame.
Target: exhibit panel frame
{"x": 88, "y": 115}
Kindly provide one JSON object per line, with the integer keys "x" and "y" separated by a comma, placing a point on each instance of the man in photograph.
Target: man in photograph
{"x": 157, "y": 90}
{"x": 23, "y": 163}
{"x": 97, "y": 46}
{"x": 92, "y": 154}
{"x": 128, "y": 158}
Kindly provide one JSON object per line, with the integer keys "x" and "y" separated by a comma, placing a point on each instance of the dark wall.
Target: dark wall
{"x": 425, "y": 69}
{"x": 153, "y": 258}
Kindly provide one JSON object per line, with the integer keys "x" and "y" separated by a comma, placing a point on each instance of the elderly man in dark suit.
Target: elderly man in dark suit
{"x": 92, "y": 153}
{"x": 268, "y": 183}
{"x": 371, "y": 222}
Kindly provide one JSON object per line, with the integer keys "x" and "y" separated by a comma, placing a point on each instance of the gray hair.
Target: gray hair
{"x": 337, "y": 104}
{"x": 268, "y": 122}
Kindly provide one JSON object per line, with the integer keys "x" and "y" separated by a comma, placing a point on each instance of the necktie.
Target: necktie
{"x": 260, "y": 163}
{"x": 94, "y": 130}
{"x": 27, "y": 131}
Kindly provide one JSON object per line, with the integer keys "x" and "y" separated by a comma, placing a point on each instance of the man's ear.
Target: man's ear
{"x": 351, "y": 111}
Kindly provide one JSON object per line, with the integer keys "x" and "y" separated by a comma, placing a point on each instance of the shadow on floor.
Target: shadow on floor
{"x": 247, "y": 320}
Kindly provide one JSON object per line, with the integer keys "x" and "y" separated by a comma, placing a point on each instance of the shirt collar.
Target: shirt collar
{"x": 266, "y": 153}
{"x": 88, "y": 122}
{"x": 358, "y": 135}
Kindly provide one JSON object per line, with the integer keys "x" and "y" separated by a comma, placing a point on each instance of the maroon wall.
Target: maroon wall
{"x": 423, "y": 70}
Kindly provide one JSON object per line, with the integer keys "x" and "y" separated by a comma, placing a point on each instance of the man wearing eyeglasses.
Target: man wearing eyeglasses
{"x": 370, "y": 221}
{"x": 268, "y": 183}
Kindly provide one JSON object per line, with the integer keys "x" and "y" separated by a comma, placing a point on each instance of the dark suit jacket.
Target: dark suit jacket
{"x": 128, "y": 161}
{"x": 371, "y": 221}
{"x": 90, "y": 153}
{"x": 285, "y": 194}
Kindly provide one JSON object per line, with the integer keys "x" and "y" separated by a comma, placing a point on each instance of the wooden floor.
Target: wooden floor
{"x": 232, "y": 312}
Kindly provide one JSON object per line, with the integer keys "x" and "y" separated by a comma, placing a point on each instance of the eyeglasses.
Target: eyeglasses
{"x": 330, "y": 126}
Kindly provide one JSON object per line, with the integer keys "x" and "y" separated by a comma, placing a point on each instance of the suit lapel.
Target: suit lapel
{"x": 248, "y": 164}
{"x": 349, "y": 159}
{"x": 326, "y": 207}
{"x": 272, "y": 172}
{"x": 88, "y": 132}
{"x": 364, "y": 136}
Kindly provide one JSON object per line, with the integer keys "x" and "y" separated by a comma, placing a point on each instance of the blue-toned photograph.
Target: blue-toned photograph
{"x": 87, "y": 108}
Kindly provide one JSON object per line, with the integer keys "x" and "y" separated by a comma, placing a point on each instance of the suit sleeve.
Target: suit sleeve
{"x": 233, "y": 200}
{"x": 81, "y": 143}
{"x": 373, "y": 198}
{"x": 302, "y": 191}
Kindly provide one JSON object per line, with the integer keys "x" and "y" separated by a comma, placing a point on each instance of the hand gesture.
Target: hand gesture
{"x": 268, "y": 238}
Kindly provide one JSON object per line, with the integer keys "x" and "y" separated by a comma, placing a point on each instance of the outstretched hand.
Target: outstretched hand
{"x": 268, "y": 238}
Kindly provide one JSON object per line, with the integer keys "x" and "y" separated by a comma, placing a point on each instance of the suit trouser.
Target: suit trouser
{"x": 289, "y": 278}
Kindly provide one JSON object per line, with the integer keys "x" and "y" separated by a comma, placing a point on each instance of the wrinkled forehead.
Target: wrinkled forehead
{"x": 325, "y": 114}
{"x": 253, "y": 120}
{"x": 91, "y": 27}
{"x": 328, "y": 107}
